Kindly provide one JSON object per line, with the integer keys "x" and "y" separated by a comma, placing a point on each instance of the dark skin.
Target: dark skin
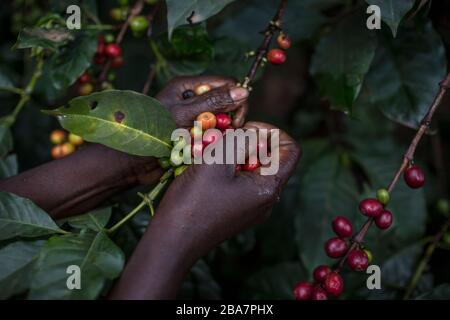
{"x": 188, "y": 223}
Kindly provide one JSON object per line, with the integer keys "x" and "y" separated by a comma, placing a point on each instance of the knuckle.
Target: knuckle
{"x": 216, "y": 98}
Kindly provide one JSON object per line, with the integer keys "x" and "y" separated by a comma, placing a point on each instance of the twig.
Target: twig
{"x": 407, "y": 159}
{"x": 274, "y": 25}
{"x": 150, "y": 18}
{"x": 150, "y": 78}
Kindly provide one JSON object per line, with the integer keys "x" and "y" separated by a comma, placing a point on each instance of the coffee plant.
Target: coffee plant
{"x": 367, "y": 106}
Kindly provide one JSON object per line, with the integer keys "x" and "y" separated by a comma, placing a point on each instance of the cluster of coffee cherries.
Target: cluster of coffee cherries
{"x": 65, "y": 143}
{"x": 342, "y": 246}
{"x": 277, "y": 56}
{"x": 138, "y": 24}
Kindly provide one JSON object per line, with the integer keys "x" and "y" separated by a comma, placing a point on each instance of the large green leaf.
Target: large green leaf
{"x": 393, "y": 11}
{"x": 95, "y": 220}
{"x": 6, "y": 142}
{"x": 43, "y": 38}
{"x": 17, "y": 261}
{"x": 342, "y": 58}
{"x": 19, "y": 217}
{"x": 406, "y": 74}
{"x": 123, "y": 120}
{"x": 180, "y": 12}
{"x": 98, "y": 258}
{"x": 8, "y": 166}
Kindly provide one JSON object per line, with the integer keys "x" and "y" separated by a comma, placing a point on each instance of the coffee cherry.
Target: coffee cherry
{"x": 369, "y": 255}
{"x": 284, "y": 42}
{"x": 202, "y": 89}
{"x": 276, "y": 56}
{"x": 207, "y": 120}
{"x": 67, "y": 148}
{"x": 164, "y": 163}
{"x": 197, "y": 150}
{"x": 414, "y": 177}
{"x": 319, "y": 294}
{"x": 117, "y": 14}
{"x": 109, "y": 38}
{"x": 223, "y": 121}
{"x": 342, "y": 227}
{"x": 117, "y": 62}
{"x": 251, "y": 166}
{"x": 357, "y": 260}
{"x": 57, "y": 152}
{"x": 113, "y": 50}
{"x": 179, "y": 170}
{"x": 138, "y": 24}
{"x": 383, "y": 196}
{"x": 384, "y": 220}
{"x": 370, "y": 207}
{"x": 188, "y": 94}
{"x": 84, "y": 78}
{"x": 196, "y": 132}
{"x": 75, "y": 140}
{"x": 211, "y": 136}
{"x": 303, "y": 291}
{"x": 321, "y": 272}
{"x": 100, "y": 46}
{"x": 336, "y": 247}
{"x": 85, "y": 89}
{"x": 238, "y": 168}
{"x": 57, "y": 136}
{"x": 334, "y": 284}
{"x": 99, "y": 59}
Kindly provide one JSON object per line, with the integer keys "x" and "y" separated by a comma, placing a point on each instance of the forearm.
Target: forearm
{"x": 80, "y": 182}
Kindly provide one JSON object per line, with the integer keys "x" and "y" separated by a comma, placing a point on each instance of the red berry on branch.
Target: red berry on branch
{"x": 251, "y": 166}
{"x": 113, "y": 50}
{"x": 319, "y": 294}
{"x": 303, "y": 291}
{"x": 320, "y": 273}
{"x": 223, "y": 121}
{"x": 100, "y": 46}
{"x": 384, "y": 220}
{"x": 414, "y": 177}
{"x": 342, "y": 227}
{"x": 336, "y": 247}
{"x": 99, "y": 59}
{"x": 358, "y": 260}
{"x": 370, "y": 207}
{"x": 84, "y": 78}
{"x": 276, "y": 56}
{"x": 284, "y": 41}
{"x": 211, "y": 136}
{"x": 238, "y": 168}
{"x": 207, "y": 120}
{"x": 117, "y": 62}
{"x": 334, "y": 284}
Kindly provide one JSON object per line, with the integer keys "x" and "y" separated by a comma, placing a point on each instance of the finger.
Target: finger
{"x": 240, "y": 115}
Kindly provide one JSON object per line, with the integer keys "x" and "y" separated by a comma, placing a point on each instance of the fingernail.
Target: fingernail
{"x": 238, "y": 94}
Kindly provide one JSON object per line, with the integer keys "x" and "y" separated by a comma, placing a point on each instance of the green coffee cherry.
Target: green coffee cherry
{"x": 180, "y": 170}
{"x": 164, "y": 163}
{"x": 138, "y": 24}
{"x": 109, "y": 38}
{"x": 443, "y": 207}
{"x": 383, "y": 196}
{"x": 122, "y": 2}
{"x": 369, "y": 255}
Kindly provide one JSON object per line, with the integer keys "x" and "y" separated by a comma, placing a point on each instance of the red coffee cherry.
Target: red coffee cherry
{"x": 113, "y": 50}
{"x": 57, "y": 136}
{"x": 100, "y": 46}
{"x": 358, "y": 260}
{"x": 276, "y": 56}
{"x": 238, "y": 168}
{"x": 342, "y": 227}
{"x": 117, "y": 62}
{"x": 223, "y": 121}
{"x": 303, "y": 291}
{"x": 284, "y": 42}
{"x": 197, "y": 150}
{"x": 336, "y": 247}
{"x": 99, "y": 59}
{"x": 334, "y": 284}
{"x": 370, "y": 207}
{"x": 384, "y": 220}
{"x": 211, "y": 136}
{"x": 251, "y": 166}
{"x": 319, "y": 294}
{"x": 414, "y": 177}
{"x": 321, "y": 272}
{"x": 84, "y": 78}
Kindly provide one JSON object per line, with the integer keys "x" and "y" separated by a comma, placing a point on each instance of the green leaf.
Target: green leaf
{"x": 123, "y": 120}
{"x": 406, "y": 74}
{"x": 441, "y": 292}
{"x": 181, "y": 12}
{"x": 17, "y": 262}
{"x": 95, "y": 220}
{"x": 98, "y": 258}
{"x": 327, "y": 189}
{"x": 6, "y": 142}
{"x": 393, "y": 11}
{"x": 42, "y": 38}
{"x": 19, "y": 217}
{"x": 8, "y": 166}
{"x": 340, "y": 75}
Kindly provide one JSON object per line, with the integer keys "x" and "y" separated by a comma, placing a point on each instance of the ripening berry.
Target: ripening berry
{"x": 369, "y": 254}
{"x": 113, "y": 50}
{"x": 138, "y": 24}
{"x": 202, "y": 89}
{"x": 57, "y": 152}
{"x": 303, "y": 291}
{"x": 320, "y": 273}
{"x": 207, "y": 120}
{"x": 276, "y": 56}
{"x": 336, "y": 247}
{"x": 251, "y": 166}
{"x": 342, "y": 227}
{"x": 116, "y": 14}
{"x": 85, "y": 89}
{"x": 414, "y": 177}
{"x": 84, "y": 78}
{"x": 384, "y": 220}
{"x": 75, "y": 140}
{"x": 319, "y": 294}
{"x": 370, "y": 207}
{"x": 383, "y": 196}
{"x": 57, "y": 136}
{"x": 67, "y": 148}
{"x": 284, "y": 42}
{"x": 358, "y": 260}
{"x": 334, "y": 284}
{"x": 196, "y": 132}
{"x": 223, "y": 121}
